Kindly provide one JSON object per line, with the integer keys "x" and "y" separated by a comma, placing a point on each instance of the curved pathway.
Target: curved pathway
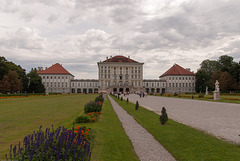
{"x": 145, "y": 145}
{"x": 219, "y": 119}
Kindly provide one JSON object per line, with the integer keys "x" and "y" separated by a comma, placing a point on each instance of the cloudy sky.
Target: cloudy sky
{"x": 80, "y": 33}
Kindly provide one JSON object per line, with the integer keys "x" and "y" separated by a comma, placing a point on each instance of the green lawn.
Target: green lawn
{"x": 223, "y": 98}
{"x": 111, "y": 142}
{"x": 21, "y": 116}
{"x": 183, "y": 142}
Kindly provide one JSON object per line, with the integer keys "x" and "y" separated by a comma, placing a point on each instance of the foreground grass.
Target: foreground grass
{"x": 21, "y": 116}
{"x": 183, "y": 142}
{"x": 111, "y": 142}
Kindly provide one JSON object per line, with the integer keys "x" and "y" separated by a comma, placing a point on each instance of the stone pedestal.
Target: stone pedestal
{"x": 104, "y": 94}
{"x": 216, "y": 95}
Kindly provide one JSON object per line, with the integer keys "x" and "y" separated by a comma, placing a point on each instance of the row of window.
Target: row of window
{"x": 120, "y": 83}
{"x": 55, "y": 84}
{"x": 153, "y": 85}
{"x": 108, "y": 71}
{"x": 181, "y": 84}
{"x": 105, "y": 67}
{"x": 181, "y": 78}
{"x": 84, "y": 84}
{"x": 54, "y": 77}
{"x": 120, "y": 76}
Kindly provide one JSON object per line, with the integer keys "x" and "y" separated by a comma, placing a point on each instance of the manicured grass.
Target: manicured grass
{"x": 183, "y": 142}
{"x": 111, "y": 142}
{"x": 223, "y": 98}
{"x": 21, "y": 116}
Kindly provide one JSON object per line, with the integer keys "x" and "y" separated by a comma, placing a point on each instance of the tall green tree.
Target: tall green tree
{"x": 216, "y": 75}
{"x": 209, "y": 66}
{"x": 202, "y": 80}
{"x": 6, "y": 66}
{"x": 226, "y": 64}
{"x": 5, "y": 85}
{"x": 227, "y": 82}
{"x": 14, "y": 81}
{"x": 35, "y": 84}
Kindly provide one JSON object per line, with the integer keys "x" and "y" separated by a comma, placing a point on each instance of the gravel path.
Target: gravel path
{"x": 219, "y": 119}
{"x": 145, "y": 145}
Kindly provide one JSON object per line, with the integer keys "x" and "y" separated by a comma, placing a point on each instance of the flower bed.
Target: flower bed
{"x": 59, "y": 144}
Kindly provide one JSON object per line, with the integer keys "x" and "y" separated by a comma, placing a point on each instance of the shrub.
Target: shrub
{"x": 121, "y": 98}
{"x": 136, "y": 106}
{"x": 192, "y": 97}
{"x": 127, "y": 100}
{"x": 99, "y": 98}
{"x": 59, "y": 144}
{"x": 92, "y": 107}
{"x": 175, "y": 94}
{"x": 163, "y": 116}
{"x": 82, "y": 119}
{"x": 200, "y": 96}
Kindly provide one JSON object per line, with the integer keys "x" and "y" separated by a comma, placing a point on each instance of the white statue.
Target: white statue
{"x": 217, "y": 86}
{"x": 206, "y": 90}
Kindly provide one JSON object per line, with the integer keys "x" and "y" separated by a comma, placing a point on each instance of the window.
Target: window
{"x": 114, "y": 77}
{"x": 176, "y": 84}
{"x": 105, "y": 71}
{"x": 85, "y": 84}
{"x": 135, "y": 71}
{"x": 126, "y": 68}
{"x": 51, "y": 84}
{"x": 47, "y": 77}
{"x": 105, "y": 76}
{"x": 186, "y": 84}
{"x": 47, "y": 84}
{"x": 62, "y": 84}
{"x": 147, "y": 84}
{"x": 51, "y": 77}
{"x": 176, "y": 78}
{"x": 158, "y": 84}
{"x": 173, "y": 85}
{"x": 101, "y": 67}
{"x": 55, "y": 84}
{"x": 169, "y": 84}
{"x": 78, "y": 84}
{"x": 101, "y": 71}
{"x": 54, "y": 77}
{"x": 169, "y": 78}
{"x": 66, "y": 84}
{"x": 139, "y": 71}
{"x": 189, "y": 84}
{"x": 72, "y": 84}
{"x": 120, "y": 68}
{"x": 62, "y": 77}
{"x": 114, "y": 68}
{"x": 179, "y": 78}
{"x": 108, "y": 75}
{"x": 43, "y": 77}
{"x": 182, "y": 78}
{"x": 58, "y": 84}
{"x": 192, "y": 78}
{"x": 172, "y": 78}
{"x": 179, "y": 84}
{"x": 152, "y": 84}
{"x": 135, "y": 83}
{"x": 58, "y": 77}
{"x": 192, "y": 84}
{"x": 186, "y": 78}
{"x": 108, "y": 71}
{"x": 120, "y": 77}
{"x": 90, "y": 84}
{"x": 126, "y": 76}
{"x": 126, "y": 83}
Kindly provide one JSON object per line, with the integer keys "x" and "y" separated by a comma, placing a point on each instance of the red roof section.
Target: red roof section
{"x": 120, "y": 59}
{"x": 55, "y": 69}
{"x": 177, "y": 70}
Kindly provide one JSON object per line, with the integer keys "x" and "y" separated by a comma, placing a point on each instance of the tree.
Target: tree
{"x": 14, "y": 82}
{"x": 227, "y": 82}
{"x": 226, "y": 64}
{"x": 209, "y": 66}
{"x": 202, "y": 80}
{"x": 163, "y": 116}
{"x": 5, "y": 66}
{"x": 216, "y": 75}
{"x": 5, "y": 85}
{"x": 137, "y": 106}
{"x": 35, "y": 84}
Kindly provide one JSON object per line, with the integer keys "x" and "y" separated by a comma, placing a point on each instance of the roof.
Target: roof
{"x": 55, "y": 69}
{"x": 177, "y": 70}
{"x": 120, "y": 59}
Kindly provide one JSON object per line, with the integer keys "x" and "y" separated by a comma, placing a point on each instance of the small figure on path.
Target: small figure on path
{"x": 143, "y": 94}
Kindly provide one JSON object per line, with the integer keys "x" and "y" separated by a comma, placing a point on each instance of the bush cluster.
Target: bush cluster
{"x": 82, "y": 119}
{"x": 99, "y": 99}
{"x": 93, "y": 107}
{"x": 59, "y": 144}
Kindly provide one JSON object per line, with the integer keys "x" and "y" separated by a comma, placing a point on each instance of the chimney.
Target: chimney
{"x": 107, "y": 58}
{"x": 128, "y": 57}
{"x": 39, "y": 68}
{"x": 45, "y": 68}
{"x": 111, "y": 57}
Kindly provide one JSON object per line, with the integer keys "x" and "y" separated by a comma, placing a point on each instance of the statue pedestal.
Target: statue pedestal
{"x": 216, "y": 95}
{"x": 104, "y": 94}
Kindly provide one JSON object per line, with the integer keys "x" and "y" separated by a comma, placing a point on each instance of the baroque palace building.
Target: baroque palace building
{"x": 118, "y": 74}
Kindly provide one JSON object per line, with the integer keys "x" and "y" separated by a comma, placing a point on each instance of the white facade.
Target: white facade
{"x": 120, "y": 76}
{"x": 154, "y": 86}
{"x": 57, "y": 83}
{"x": 180, "y": 83}
{"x": 84, "y": 86}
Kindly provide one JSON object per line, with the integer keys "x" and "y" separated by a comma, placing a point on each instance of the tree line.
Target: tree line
{"x": 13, "y": 79}
{"x": 225, "y": 70}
